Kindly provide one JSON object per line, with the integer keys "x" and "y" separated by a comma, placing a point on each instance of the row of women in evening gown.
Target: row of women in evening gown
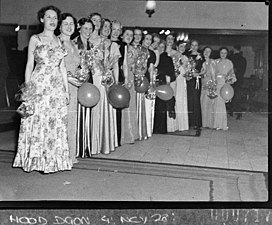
{"x": 62, "y": 65}
{"x": 61, "y": 129}
{"x": 194, "y": 106}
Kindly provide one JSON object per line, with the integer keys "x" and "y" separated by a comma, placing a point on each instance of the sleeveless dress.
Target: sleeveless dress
{"x": 103, "y": 115}
{"x": 181, "y": 107}
{"x": 207, "y": 104}
{"x": 43, "y": 141}
{"x": 130, "y": 129}
{"x": 72, "y": 61}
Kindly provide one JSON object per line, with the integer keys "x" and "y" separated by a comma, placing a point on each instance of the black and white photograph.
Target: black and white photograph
{"x": 134, "y": 100}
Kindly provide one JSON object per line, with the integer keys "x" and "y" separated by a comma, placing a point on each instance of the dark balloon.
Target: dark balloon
{"x": 88, "y": 95}
{"x": 164, "y": 92}
{"x": 226, "y": 92}
{"x": 118, "y": 96}
{"x": 143, "y": 87}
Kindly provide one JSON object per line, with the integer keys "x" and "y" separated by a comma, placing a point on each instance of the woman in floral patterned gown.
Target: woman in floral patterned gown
{"x": 43, "y": 142}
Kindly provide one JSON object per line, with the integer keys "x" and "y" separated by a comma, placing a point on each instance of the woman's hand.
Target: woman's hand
{"x": 74, "y": 81}
{"x": 168, "y": 79}
{"x": 67, "y": 96}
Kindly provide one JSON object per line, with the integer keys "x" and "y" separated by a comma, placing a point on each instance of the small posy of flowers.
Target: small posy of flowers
{"x": 212, "y": 87}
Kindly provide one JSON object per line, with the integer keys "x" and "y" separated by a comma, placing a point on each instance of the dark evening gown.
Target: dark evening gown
{"x": 193, "y": 96}
{"x": 165, "y": 67}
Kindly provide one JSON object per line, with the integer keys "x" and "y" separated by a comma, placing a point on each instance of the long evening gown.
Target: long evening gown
{"x": 140, "y": 69}
{"x": 43, "y": 141}
{"x": 103, "y": 124}
{"x": 72, "y": 61}
{"x": 130, "y": 130}
{"x": 172, "y": 122}
{"x": 120, "y": 80}
{"x": 207, "y": 104}
{"x": 193, "y": 95}
{"x": 181, "y": 107}
{"x": 223, "y": 68}
{"x": 165, "y": 67}
{"x": 149, "y": 103}
{"x": 83, "y": 135}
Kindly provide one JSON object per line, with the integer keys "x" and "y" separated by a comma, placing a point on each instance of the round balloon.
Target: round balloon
{"x": 118, "y": 96}
{"x": 226, "y": 92}
{"x": 88, "y": 95}
{"x": 143, "y": 87}
{"x": 164, "y": 92}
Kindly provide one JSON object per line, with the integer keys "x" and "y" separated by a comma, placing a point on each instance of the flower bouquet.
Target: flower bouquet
{"x": 212, "y": 87}
{"x": 140, "y": 67}
{"x": 190, "y": 69}
{"x": 230, "y": 77}
{"x": 151, "y": 92}
{"x": 107, "y": 77}
{"x": 82, "y": 71}
{"x": 27, "y": 94}
{"x": 138, "y": 79}
{"x": 177, "y": 63}
{"x": 26, "y": 109}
